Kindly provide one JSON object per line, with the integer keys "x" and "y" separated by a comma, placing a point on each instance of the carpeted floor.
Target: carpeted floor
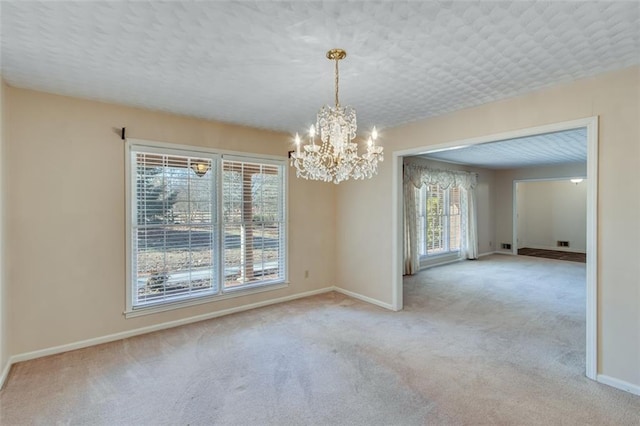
{"x": 498, "y": 341}
{"x": 554, "y": 254}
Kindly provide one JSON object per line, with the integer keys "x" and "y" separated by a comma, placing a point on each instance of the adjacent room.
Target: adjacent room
{"x": 551, "y": 218}
{"x": 313, "y": 213}
{"x": 453, "y": 265}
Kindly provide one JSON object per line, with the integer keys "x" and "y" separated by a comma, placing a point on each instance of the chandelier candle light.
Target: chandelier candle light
{"x": 335, "y": 158}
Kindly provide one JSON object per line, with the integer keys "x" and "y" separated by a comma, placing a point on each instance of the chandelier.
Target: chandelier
{"x": 334, "y": 157}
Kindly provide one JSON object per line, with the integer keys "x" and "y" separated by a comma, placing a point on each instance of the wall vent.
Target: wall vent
{"x": 563, "y": 243}
{"x": 506, "y": 246}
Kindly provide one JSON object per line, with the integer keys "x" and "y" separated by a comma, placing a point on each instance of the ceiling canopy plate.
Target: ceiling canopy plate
{"x": 336, "y": 54}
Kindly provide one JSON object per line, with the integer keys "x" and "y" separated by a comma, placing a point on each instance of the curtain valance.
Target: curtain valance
{"x": 415, "y": 177}
{"x": 421, "y": 175}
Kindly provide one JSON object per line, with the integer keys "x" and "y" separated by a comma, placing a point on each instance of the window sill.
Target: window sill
{"x": 230, "y": 294}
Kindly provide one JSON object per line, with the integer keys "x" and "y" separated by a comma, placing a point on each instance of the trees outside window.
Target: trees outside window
{"x": 438, "y": 220}
{"x": 253, "y": 222}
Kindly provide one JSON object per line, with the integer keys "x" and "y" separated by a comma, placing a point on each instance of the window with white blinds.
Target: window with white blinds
{"x": 202, "y": 225}
{"x": 253, "y": 223}
{"x": 438, "y": 220}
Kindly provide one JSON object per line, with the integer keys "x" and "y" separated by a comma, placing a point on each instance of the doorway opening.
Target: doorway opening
{"x": 591, "y": 127}
{"x": 550, "y": 218}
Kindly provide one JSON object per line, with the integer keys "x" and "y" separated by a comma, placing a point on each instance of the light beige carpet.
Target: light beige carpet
{"x": 495, "y": 341}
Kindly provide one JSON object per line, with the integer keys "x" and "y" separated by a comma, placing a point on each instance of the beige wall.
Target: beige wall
{"x": 364, "y": 237}
{"x": 504, "y": 192}
{"x": 552, "y": 211}
{"x": 66, "y": 214}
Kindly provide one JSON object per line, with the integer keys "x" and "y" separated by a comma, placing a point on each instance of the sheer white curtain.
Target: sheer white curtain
{"x": 415, "y": 176}
{"x": 469, "y": 222}
{"x": 411, "y": 256}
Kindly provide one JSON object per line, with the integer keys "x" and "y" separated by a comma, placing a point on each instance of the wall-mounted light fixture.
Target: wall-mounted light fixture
{"x": 200, "y": 167}
{"x": 576, "y": 180}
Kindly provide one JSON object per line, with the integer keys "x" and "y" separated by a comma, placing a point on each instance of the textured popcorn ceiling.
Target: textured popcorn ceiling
{"x": 564, "y": 147}
{"x": 263, "y": 63}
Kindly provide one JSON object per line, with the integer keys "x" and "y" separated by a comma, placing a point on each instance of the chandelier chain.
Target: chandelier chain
{"x": 337, "y": 81}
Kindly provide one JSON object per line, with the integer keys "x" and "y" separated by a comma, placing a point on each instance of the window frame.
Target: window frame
{"x": 217, "y": 156}
{"x": 254, "y": 160}
{"x": 446, "y": 252}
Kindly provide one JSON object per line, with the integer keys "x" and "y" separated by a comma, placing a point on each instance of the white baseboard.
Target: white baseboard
{"x": 144, "y": 330}
{"x": 486, "y": 254}
{"x": 5, "y": 373}
{"x": 619, "y": 384}
{"x": 554, "y": 248}
{"x": 507, "y": 252}
{"x": 364, "y": 298}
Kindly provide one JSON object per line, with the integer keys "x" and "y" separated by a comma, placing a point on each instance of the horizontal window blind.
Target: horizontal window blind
{"x": 435, "y": 219}
{"x": 173, "y": 228}
{"x": 439, "y": 220}
{"x": 454, "y": 218}
{"x": 253, "y": 223}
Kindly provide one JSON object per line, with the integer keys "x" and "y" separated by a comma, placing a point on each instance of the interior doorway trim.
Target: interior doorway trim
{"x": 591, "y": 124}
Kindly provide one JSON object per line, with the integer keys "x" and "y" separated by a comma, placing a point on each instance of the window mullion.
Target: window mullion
{"x": 189, "y": 232}
{"x": 217, "y": 189}
{"x": 164, "y": 229}
{"x": 445, "y": 230}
